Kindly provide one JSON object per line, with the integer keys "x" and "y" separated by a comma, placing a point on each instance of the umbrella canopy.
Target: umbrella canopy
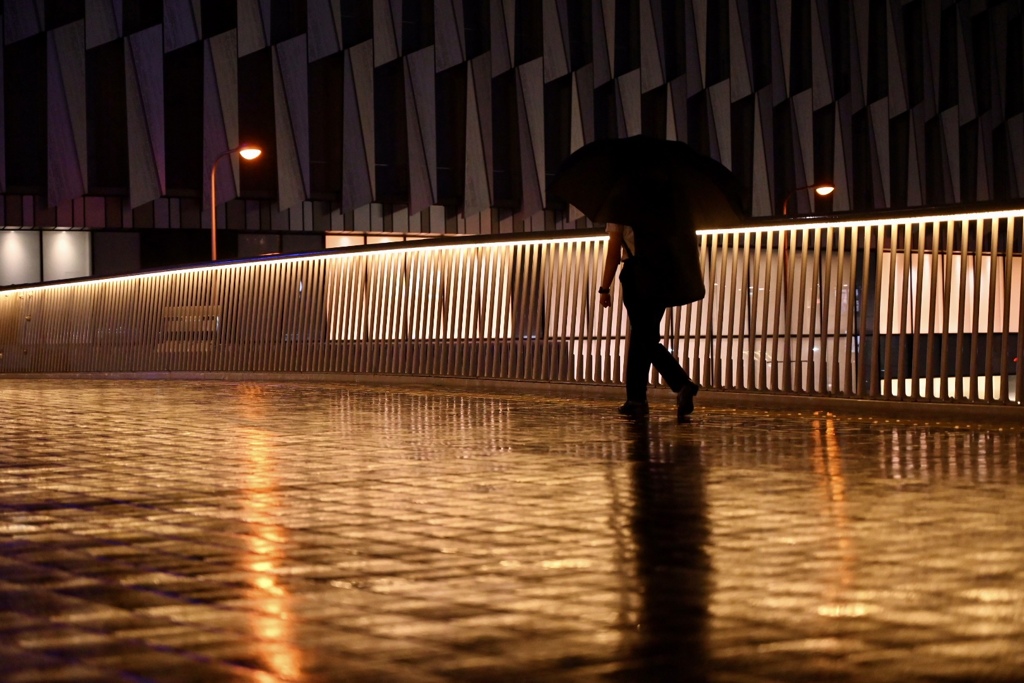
{"x": 649, "y": 183}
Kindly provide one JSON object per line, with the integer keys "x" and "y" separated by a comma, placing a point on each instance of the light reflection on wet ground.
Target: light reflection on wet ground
{"x": 218, "y": 531}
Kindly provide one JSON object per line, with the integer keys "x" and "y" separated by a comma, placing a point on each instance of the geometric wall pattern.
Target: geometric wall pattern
{"x": 450, "y": 115}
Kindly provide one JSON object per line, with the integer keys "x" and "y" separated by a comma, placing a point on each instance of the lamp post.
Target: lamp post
{"x": 247, "y": 152}
{"x": 822, "y": 190}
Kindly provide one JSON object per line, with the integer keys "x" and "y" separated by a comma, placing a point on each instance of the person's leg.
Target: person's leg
{"x": 676, "y": 377}
{"x": 667, "y": 365}
{"x": 645, "y": 348}
{"x": 644, "y": 333}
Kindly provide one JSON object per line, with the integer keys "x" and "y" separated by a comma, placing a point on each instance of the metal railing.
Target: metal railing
{"x": 924, "y": 308}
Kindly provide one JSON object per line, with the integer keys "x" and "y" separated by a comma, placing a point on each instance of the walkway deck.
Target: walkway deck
{"x": 174, "y": 531}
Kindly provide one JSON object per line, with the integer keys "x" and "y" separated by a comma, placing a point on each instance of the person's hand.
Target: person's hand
{"x": 606, "y": 300}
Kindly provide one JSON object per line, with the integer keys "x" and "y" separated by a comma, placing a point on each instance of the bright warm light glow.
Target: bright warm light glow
{"x": 824, "y": 190}
{"x": 249, "y": 153}
{"x": 839, "y": 610}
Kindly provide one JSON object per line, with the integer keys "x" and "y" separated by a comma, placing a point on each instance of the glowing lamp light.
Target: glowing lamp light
{"x": 250, "y": 153}
{"x": 823, "y": 190}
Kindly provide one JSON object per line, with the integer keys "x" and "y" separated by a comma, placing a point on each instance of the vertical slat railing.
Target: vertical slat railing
{"x": 1018, "y": 239}
{"x": 972, "y": 363}
{"x": 909, "y": 309}
{"x": 1007, "y": 291}
{"x": 825, "y": 293}
{"x": 932, "y": 302}
{"x": 990, "y": 326}
{"x": 753, "y": 268}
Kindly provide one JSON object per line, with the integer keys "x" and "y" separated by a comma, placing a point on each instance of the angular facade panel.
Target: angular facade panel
{"x": 253, "y": 26}
{"x": 628, "y": 101}
{"x": 740, "y": 71}
{"x": 22, "y": 19}
{"x": 502, "y": 35}
{"x": 3, "y": 128}
{"x": 324, "y": 28}
{"x": 144, "y": 85}
{"x": 358, "y": 173}
{"x": 291, "y": 118}
{"x": 102, "y": 22}
{"x": 387, "y": 36}
{"x": 421, "y": 126}
{"x": 449, "y": 34}
{"x": 67, "y": 161}
{"x": 479, "y": 190}
{"x": 530, "y": 79}
{"x": 220, "y": 112}
{"x": 556, "y": 57}
{"x": 181, "y": 24}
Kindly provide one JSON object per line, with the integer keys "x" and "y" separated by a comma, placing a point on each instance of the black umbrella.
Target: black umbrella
{"x": 649, "y": 183}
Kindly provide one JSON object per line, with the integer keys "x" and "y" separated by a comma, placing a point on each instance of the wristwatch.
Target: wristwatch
{"x": 603, "y": 290}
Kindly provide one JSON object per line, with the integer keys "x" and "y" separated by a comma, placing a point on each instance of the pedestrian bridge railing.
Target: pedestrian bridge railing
{"x": 924, "y": 308}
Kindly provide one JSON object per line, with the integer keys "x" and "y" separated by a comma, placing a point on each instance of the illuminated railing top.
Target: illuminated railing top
{"x": 809, "y": 223}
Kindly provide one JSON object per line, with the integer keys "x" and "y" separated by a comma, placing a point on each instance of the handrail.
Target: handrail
{"x": 845, "y": 219}
{"x": 922, "y": 307}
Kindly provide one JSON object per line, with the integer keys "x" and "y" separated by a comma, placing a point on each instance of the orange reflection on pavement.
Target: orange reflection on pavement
{"x": 828, "y": 466}
{"x": 272, "y": 619}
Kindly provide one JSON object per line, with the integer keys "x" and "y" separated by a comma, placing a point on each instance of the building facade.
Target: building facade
{"x": 449, "y": 116}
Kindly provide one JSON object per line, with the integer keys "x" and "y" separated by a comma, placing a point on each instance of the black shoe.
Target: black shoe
{"x": 684, "y": 400}
{"x": 634, "y": 409}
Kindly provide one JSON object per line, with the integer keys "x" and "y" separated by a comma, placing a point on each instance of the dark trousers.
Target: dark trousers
{"x": 645, "y": 347}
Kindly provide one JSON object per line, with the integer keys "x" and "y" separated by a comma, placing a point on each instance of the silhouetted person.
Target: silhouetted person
{"x": 654, "y": 257}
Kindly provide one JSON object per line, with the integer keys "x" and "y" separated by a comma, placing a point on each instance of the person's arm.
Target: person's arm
{"x": 611, "y": 264}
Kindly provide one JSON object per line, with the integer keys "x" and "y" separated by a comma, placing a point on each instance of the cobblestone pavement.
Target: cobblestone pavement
{"x": 189, "y": 531}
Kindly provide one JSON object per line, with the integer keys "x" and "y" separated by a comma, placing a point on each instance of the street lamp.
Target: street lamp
{"x": 822, "y": 189}
{"x": 247, "y": 152}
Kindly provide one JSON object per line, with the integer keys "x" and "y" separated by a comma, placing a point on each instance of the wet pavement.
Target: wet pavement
{"x": 189, "y": 531}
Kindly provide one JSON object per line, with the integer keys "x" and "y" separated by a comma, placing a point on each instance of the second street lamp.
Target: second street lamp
{"x": 822, "y": 190}
{"x": 247, "y": 152}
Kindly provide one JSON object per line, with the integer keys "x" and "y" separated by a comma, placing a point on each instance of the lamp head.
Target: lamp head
{"x": 824, "y": 190}
{"x": 249, "y": 152}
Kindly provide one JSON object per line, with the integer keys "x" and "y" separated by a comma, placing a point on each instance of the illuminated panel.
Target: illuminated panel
{"x": 20, "y": 259}
{"x": 65, "y": 254}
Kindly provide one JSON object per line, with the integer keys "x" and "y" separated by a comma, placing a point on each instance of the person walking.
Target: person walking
{"x": 645, "y": 307}
{"x": 651, "y": 194}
